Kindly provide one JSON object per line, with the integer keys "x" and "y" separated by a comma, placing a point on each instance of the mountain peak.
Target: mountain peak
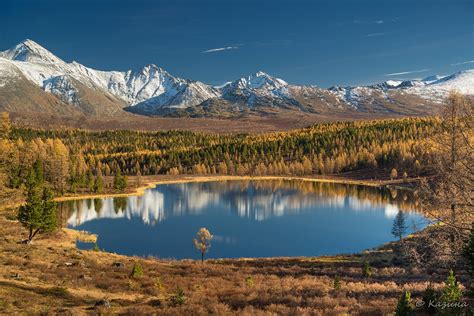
{"x": 30, "y": 51}
{"x": 259, "y": 80}
{"x": 260, "y": 74}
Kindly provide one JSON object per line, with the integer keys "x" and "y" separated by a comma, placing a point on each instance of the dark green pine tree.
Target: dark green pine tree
{"x": 38, "y": 172}
{"x": 98, "y": 184}
{"x": 120, "y": 182}
{"x": 451, "y": 292}
{"x": 39, "y": 212}
{"x": 404, "y": 306}
{"x": 399, "y": 227}
{"x": 430, "y": 297}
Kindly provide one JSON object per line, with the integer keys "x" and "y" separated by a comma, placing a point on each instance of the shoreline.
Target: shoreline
{"x": 189, "y": 179}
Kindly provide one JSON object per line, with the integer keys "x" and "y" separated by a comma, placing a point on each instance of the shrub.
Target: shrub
{"x": 249, "y": 281}
{"x": 61, "y": 292}
{"x": 366, "y": 270}
{"x": 337, "y": 283}
{"x": 96, "y": 247}
{"x": 137, "y": 271}
{"x": 178, "y": 298}
{"x": 158, "y": 284}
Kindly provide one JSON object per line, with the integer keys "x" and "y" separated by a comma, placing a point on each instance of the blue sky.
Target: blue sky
{"x": 304, "y": 42}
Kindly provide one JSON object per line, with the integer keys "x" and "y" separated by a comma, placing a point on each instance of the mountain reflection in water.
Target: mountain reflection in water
{"x": 256, "y": 200}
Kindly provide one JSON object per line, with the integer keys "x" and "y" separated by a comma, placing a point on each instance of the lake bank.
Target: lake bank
{"x": 153, "y": 181}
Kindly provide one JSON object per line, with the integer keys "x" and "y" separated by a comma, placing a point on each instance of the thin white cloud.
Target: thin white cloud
{"x": 379, "y": 21}
{"x": 375, "y": 34}
{"x": 406, "y": 72}
{"x": 463, "y": 63}
{"x": 220, "y": 49}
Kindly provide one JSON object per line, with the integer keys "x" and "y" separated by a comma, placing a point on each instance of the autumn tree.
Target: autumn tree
{"x": 57, "y": 164}
{"x": 139, "y": 182}
{"x": 203, "y": 242}
{"x": 5, "y": 125}
{"x": 393, "y": 174}
{"x": 447, "y": 194}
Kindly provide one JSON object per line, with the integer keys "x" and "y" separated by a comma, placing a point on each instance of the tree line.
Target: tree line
{"x": 74, "y": 159}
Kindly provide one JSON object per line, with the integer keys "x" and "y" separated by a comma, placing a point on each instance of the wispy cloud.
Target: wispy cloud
{"x": 375, "y": 34}
{"x": 220, "y": 49}
{"x": 406, "y": 72}
{"x": 379, "y": 22}
{"x": 463, "y": 63}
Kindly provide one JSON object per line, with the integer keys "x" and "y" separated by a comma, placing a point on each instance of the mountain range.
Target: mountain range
{"x": 32, "y": 79}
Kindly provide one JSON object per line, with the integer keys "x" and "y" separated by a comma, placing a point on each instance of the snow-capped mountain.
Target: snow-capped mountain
{"x": 431, "y": 89}
{"x": 42, "y": 81}
{"x": 258, "y": 89}
{"x": 149, "y": 83}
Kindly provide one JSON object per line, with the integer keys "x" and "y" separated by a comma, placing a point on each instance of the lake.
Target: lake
{"x": 264, "y": 218}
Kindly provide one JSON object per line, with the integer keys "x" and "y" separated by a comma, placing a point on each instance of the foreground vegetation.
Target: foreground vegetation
{"x": 56, "y": 277}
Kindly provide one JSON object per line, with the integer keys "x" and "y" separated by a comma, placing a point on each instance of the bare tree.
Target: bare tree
{"x": 447, "y": 194}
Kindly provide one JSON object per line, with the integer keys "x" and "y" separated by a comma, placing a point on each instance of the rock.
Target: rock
{"x": 68, "y": 264}
{"x": 118, "y": 264}
{"x": 102, "y": 303}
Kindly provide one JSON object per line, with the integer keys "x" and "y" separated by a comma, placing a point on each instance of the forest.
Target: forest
{"x": 72, "y": 159}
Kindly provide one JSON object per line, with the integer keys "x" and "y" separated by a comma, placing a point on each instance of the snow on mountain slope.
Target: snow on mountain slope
{"x": 256, "y": 89}
{"x": 41, "y": 66}
{"x": 32, "y": 52}
{"x": 152, "y": 90}
{"x": 185, "y": 96}
{"x": 63, "y": 88}
{"x": 434, "y": 89}
{"x": 437, "y": 90}
{"x": 432, "y": 78}
{"x": 8, "y": 72}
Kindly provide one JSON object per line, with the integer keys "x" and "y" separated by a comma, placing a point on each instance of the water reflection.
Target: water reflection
{"x": 255, "y": 200}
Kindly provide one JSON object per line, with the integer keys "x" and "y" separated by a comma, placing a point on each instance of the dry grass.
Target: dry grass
{"x": 52, "y": 276}
{"x": 275, "y": 120}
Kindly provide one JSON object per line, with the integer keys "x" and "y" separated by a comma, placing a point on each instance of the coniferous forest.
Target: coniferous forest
{"x": 72, "y": 159}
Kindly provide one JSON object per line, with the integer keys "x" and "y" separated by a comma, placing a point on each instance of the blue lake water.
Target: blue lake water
{"x": 247, "y": 218}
